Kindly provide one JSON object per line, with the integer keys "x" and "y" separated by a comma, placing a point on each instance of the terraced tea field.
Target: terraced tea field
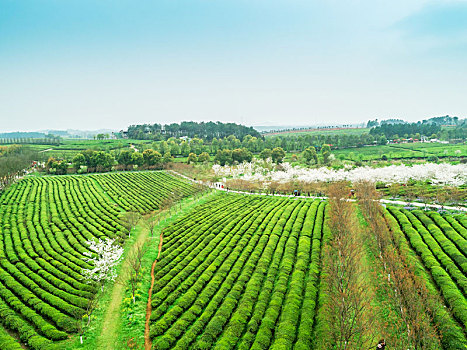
{"x": 242, "y": 273}
{"x": 45, "y": 223}
{"x": 440, "y": 244}
{"x": 236, "y": 271}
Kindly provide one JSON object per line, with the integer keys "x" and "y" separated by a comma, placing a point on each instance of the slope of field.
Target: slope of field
{"x": 142, "y": 191}
{"x": 440, "y": 242}
{"x": 44, "y": 225}
{"x": 242, "y": 273}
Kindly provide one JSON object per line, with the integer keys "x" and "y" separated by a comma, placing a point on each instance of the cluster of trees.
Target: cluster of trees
{"x": 239, "y": 155}
{"x": 444, "y": 120}
{"x": 227, "y": 156}
{"x": 311, "y": 157}
{"x": 374, "y": 123}
{"x": 309, "y": 128}
{"x": 202, "y": 158}
{"x": 457, "y": 133}
{"x": 203, "y": 130}
{"x": 100, "y": 161}
{"x": 394, "y": 131}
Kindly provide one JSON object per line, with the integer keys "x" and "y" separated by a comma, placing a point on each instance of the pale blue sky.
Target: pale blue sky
{"x": 108, "y": 64}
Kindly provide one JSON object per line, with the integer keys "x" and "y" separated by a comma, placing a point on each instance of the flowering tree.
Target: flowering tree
{"x": 104, "y": 256}
{"x": 439, "y": 174}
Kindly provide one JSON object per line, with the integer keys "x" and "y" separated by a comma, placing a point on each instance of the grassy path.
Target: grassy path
{"x": 108, "y": 335}
{"x": 147, "y": 339}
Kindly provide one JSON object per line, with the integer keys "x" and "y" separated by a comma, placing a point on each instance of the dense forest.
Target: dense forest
{"x": 206, "y": 131}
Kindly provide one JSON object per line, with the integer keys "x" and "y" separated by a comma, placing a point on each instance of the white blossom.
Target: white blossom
{"x": 438, "y": 174}
{"x": 104, "y": 257}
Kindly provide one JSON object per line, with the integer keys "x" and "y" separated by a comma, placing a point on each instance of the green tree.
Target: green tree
{"x": 137, "y": 159}
{"x": 309, "y": 154}
{"x": 185, "y": 148}
{"x": 192, "y": 158}
{"x": 265, "y": 154}
{"x": 164, "y": 147}
{"x": 151, "y": 157}
{"x": 167, "y": 157}
{"x": 241, "y": 155}
{"x": 78, "y": 161}
{"x": 326, "y": 152}
{"x": 124, "y": 158}
{"x": 204, "y": 157}
{"x": 102, "y": 160}
{"x": 223, "y": 157}
{"x": 174, "y": 148}
{"x": 278, "y": 155}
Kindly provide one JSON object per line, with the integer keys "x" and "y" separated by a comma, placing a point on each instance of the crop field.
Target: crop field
{"x": 403, "y": 151}
{"x": 44, "y": 225}
{"x": 241, "y": 274}
{"x": 439, "y": 243}
{"x": 142, "y": 191}
{"x": 234, "y": 271}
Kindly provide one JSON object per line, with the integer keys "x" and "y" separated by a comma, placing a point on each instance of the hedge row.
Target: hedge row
{"x": 8, "y": 342}
{"x": 309, "y": 306}
{"x": 45, "y": 224}
{"x": 215, "y": 304}
{"x": 447, "y": 243}
{"x": 436, "y": 262}
{"x": 240, "y": 274}
{"x": 142, "y": 191}
{"x": 201, "y": 270}
{"x": 238, "y": 322}
{"x": 453, "y": 336}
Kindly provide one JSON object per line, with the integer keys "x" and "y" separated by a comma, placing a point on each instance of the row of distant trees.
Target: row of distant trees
{"x": 390, "y": 130}
{"x": 100, "y": 161}
{"x": 257, "y": 145}
{"x": 52, "y": 140}
{"x": 128, "y": 159}
{"x": 203, "y": 130}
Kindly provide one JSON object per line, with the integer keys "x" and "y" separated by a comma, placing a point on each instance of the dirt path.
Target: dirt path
{"x": 147, "y": 339}
{"x": 108, "y": 335}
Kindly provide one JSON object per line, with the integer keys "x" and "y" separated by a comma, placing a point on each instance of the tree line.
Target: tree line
{"x": 14, "y": 161}
{"x": 203, "y": 130}
{"x": 392, "y": 131}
